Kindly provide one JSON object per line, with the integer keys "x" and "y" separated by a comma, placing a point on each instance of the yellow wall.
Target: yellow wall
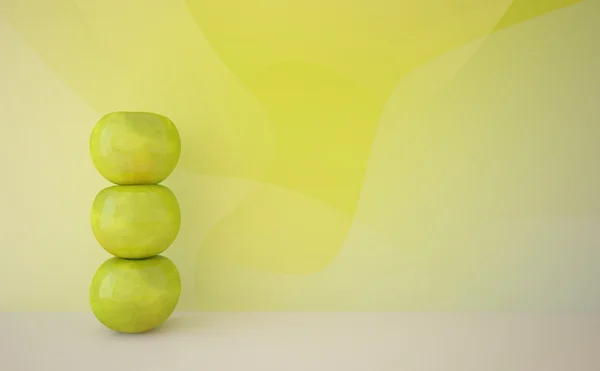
{"x": 387, "y": 155}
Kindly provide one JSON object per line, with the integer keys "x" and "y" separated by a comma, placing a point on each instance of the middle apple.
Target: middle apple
{"x": 135, "y": 221}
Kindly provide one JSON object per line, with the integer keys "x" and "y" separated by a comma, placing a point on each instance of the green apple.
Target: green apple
{"x": 134, "y": 296}
{"x": 137, "y": 221}
{"x": 135, "y": 147}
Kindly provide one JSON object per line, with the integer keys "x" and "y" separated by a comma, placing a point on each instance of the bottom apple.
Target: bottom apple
{"x": 133, "y": 296}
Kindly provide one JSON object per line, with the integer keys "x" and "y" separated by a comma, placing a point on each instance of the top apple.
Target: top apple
{"x": 130, "y": 148}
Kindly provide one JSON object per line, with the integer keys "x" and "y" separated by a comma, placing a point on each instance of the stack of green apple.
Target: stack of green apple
{"x": 135, "y": 220}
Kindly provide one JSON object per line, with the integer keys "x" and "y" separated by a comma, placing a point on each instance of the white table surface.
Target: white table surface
{"x": 307, "y": 341}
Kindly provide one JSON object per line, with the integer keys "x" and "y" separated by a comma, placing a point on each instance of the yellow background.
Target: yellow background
{"x": 365, "y": 155}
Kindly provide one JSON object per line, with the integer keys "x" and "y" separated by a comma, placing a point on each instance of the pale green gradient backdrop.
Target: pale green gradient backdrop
{"x": 365, "y": 155}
